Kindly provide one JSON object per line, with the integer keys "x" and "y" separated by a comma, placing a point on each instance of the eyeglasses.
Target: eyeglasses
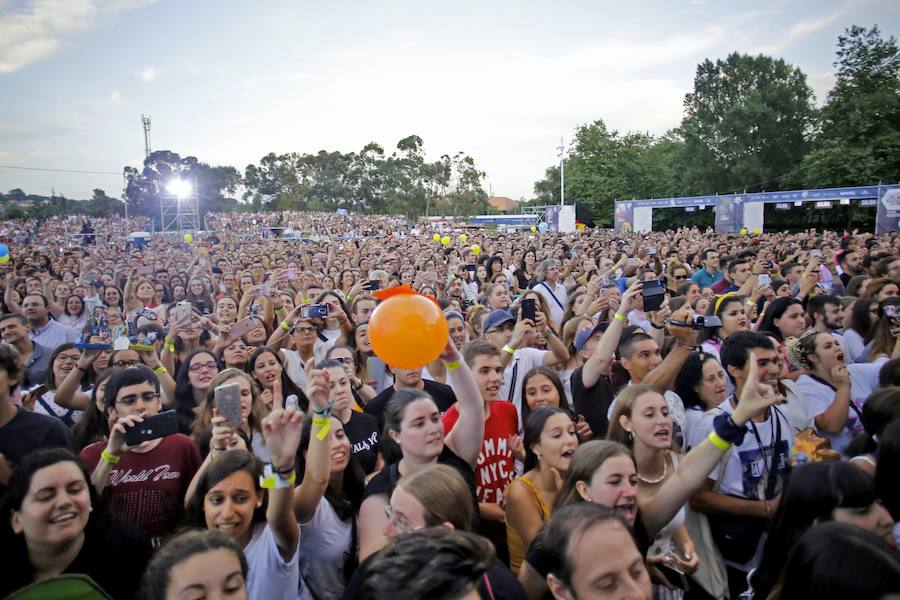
{"x": 210, "y": 366}
{"x": 126, "y": 363}
{"x": 68, "y": 357}
{"x": 679, "y": 276}
{"x": 131, "y": 399}
{"x": 344, "y": 360}
{"x": 397, "y": 522}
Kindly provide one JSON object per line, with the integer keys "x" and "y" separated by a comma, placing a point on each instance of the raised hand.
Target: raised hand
{"x": 756, "y": 396}
{"x": 281, "y": 430}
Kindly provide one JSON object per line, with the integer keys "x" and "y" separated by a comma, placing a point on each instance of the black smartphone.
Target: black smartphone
{"x": 471, "y": 268}
{"x": 373, "y": 285}
{"x": 152, "y": 428}
{"x": 314, "y": 311}
{"x": 654, "y": 294}
{"x": 529, "y": 309}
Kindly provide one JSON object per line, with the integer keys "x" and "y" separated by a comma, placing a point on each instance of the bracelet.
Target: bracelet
{"x": 725, "y": 428}
{"x": 283, "y": 471}
{"x": 270, "y": 480}
{"x": 284, "y": 325}
{"x": 508, "y": 348}
{"x": 323, "y": 411}
{"x": 169, "y": 340}
{"x": 349, "y": 298}
{"x": 160, "y": 370}
{"x": 750, "y": 303}
{"x": 655, "y": 326}
{"x": 718, "y": 442}
{"x": 80, "y": 368}
{"x": 686, "y": 346}
{"x": 169, "y": 347}
{"x": 453, "y": 365}
{"x": 110, "y": 457}
{"x": 621, "y": 317}
{"x": 324, "y": 424}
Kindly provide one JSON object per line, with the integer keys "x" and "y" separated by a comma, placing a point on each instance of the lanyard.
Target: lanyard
{"x": 853, "y": 405}
{"x": 771, "y": 468}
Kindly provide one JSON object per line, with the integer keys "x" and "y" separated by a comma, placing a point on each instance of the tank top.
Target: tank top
{"x": 516, "y": 545}
{"x": 663, "y": 539}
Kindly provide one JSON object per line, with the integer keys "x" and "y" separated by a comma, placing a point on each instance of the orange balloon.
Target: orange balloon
{"x": 408, "y": 331}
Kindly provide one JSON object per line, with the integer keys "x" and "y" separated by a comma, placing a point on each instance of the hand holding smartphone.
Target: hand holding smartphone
{"x": 152, "y": 428}
{"x": 228, "y": 403}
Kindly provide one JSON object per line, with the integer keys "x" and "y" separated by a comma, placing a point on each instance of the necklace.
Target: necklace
{"x": 661, "y": 477}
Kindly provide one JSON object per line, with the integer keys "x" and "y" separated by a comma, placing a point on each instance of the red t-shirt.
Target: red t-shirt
{"x": 148, "y": 488}
{"x": 496, "y": 466}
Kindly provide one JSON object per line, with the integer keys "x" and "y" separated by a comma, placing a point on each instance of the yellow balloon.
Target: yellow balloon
{"x": 533, "y": 229}
{"x": 476, "y": 249}
{"x": 744, "y": 231}
{"x": 463, "y": 238}
{"x": 756, "y": 232}
{"x": 4, "y": 259}
{"x": 436, "y": 237}
{"x": 446, "y": 240}
{"x": 188, "y": 238}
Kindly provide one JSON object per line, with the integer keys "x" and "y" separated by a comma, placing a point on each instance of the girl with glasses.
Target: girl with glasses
{"x": 192, "y": 384}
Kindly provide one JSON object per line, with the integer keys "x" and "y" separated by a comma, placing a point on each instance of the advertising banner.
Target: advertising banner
{"x": 887, "y": 219}
{"x": 624, "y": 217}
{"x": 729, "y": 214}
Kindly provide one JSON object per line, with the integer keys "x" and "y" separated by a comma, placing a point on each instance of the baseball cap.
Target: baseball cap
{"x": 497, "y": 317}
{"x": 582, "y": 337}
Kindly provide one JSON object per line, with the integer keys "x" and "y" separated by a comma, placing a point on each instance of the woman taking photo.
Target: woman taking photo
{"x": 550, "y": 442}
{"x": 327, "y": 499}
{"x": 226, "y": 496}
{"x": 732, "y": 311}
{"x": 53, "y": 523}
{"x": 413, "y": 426}
{"x": 252, "y": 413}
{"x": 192, "y": 384}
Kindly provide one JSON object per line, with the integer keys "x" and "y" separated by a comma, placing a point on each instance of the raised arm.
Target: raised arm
{"x": 598, "y": 363}
{"x": 68, "y": 392}
{"x": 694, "y": 469}
{"x": 467, "y": 435}
{"x": 318, "y": 457}
{"x": 834, "y": 418}
{"x": 558, "y": 351}
{"x": 662, "y": 378}
{"x": 281, "y": 430}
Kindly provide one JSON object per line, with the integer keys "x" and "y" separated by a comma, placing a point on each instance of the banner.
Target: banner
{"x": 887, "y": 219}
{"x": 729, "y": 214}
{"x": 551, "y": 217}
{"x": 624, "y": 217}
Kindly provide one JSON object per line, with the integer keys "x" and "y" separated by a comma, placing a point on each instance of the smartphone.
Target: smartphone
{"x": 183, "y": 311}
{"x": 375, "y": 369}
{"x": 228, "y": 403}
{"x": 651, "y": 250}
{"x": 529, "y": 309}
{"x": 373, "y": 285}
{"x": 152, "y": 428}
{"x": 291, "y": 274}
{"x": 243, "y": 327}
{"x": 471, "y": 268}
{"x": 315, "y": 311}
{"x": 263, "y": 289}
{"x": 654, "y": 293}
{"x": 763, "y": 280}
{"x": 145, "y": 270}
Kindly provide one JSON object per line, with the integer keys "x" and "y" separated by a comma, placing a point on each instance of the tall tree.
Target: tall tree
{"x": 747, "y": 125}
{"x": 859, "y": 142}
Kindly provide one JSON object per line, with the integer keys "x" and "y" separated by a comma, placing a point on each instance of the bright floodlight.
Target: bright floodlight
{"x": 179, "y": 188}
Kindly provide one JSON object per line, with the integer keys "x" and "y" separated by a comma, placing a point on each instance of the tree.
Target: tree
{"x": 747, "y": 125}
{"x": 859, "y": 139}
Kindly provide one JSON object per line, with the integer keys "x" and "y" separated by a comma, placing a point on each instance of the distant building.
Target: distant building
{"x": 503, "y": 204}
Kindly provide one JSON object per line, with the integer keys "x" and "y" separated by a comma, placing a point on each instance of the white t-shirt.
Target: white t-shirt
{"x": 269, "y": 575}
{"x": 324, "y": 546}
{"x": 522, "y": 361}
{"x": 819, "y": 395}
{"x": 558, "y": 305}
{"x": 46, "y": 405}
{"x": 294, "y": 365}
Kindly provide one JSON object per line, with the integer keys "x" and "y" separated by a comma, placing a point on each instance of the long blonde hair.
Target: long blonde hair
{"x": 625, "y": 402}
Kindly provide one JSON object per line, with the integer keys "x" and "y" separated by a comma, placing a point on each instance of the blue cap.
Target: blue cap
{"x": 497, "y": 317}
{"x": 582, "y": 337}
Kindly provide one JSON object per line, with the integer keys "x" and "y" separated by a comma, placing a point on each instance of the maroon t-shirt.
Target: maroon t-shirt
{"x": 148, "y": 488}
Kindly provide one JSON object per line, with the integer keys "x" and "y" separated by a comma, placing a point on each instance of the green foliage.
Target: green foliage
{"x": 18, "y": 205}
{"x": 368, "y": 181}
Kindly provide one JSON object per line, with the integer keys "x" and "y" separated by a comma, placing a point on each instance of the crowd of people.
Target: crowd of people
{"x": 674, "y": 414}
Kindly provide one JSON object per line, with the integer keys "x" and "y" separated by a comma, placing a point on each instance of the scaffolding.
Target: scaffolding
{"x": 180, "y": 213}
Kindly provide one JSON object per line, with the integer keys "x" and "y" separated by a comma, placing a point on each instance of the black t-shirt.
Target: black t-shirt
{"x": 594, "y": 402}
{"x": 29, "y": 431}
{"x": 442, "y": 394}
{"x": 386, "y": 480}
{"x": 503, "y": 584}
{"x": 114, "y": 555}
{"x": 362, "y": 431}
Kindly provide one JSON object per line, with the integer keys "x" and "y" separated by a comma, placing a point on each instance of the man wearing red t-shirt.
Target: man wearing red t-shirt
{"x": 146, "y": 484}
{"x": 496, "y": 465}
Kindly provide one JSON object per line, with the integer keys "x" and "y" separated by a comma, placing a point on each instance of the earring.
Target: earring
{"x": 538, "y": 456}
{"x": 629, "y": 435}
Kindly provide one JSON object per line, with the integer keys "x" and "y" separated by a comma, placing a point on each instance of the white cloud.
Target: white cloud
{"x": 802, "y": 29}
{"x": 41, "y": 27}
{"x": 148, "y": 73}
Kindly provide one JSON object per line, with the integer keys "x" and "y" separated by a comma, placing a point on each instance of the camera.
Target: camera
{"x": 699, "y": 322}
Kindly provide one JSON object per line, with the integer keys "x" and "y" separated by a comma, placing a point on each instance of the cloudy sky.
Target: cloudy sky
{"x": 229, "y": 81}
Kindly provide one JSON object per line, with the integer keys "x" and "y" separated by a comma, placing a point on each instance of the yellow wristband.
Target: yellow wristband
{"x": 452, "y": 365}
{"x": 168, "y": 341}
{"x": 717, "y": 441}
{"x": 170, "y": 347}
{"x": 284, "y": 325}
{"x": 324, "y": 423}
{"x": 270, "y": 480}
{"x": 160, "y": 370}
{"x": 110, "y": 457}
{"x": 621, "y": 317}
{"x": 509, "y": 349}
